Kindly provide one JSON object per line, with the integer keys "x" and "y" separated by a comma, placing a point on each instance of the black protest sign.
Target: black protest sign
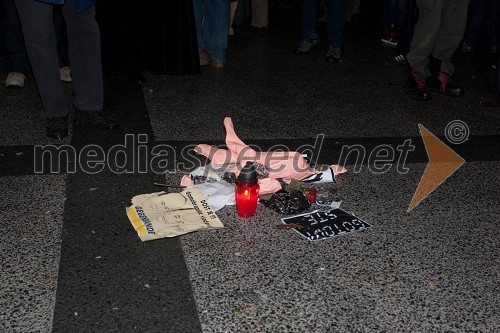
{"x": 320, "y": 225}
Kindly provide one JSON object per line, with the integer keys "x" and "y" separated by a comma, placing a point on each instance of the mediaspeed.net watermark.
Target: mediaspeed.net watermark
{"x": 135, "y": 155}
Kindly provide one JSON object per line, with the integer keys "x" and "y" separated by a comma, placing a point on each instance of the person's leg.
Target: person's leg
{"x": 84, "y": 50}
{"x": 198, "y": 16}
{"x": 259, "y": 13}
{"x": 477, "y": 17}
{"x": 335, "y": 22}
{"x": 216, "y": 26}
{"x": 452, "y": 28}
{"x": 17, "y": 58}
{"x": 60, "y": 28}
{"x": 424, "y": 36}
{"x": 406, "y": 23}
{"x": 234, "y": 6}
{"x": 390, "y": 16}
{"x": 38, "y": 28}
{"x": 493, "y": 8}
{"x": 308, "y": 13}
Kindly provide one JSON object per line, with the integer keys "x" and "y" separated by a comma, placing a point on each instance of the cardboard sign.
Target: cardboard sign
{"x": 161, "y": 214}
{"x": 320, "y": 225}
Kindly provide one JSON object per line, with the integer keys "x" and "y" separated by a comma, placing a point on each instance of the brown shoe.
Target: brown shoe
{"x": 204, "y": 58}
{"x": 215, "y": 63}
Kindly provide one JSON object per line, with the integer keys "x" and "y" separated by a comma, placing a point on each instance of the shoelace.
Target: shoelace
{"x": 420, "y": 83}
{"x": 444, "y": 81}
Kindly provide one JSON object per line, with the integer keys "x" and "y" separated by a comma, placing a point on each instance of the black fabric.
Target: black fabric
{"x": 159, "y": 36}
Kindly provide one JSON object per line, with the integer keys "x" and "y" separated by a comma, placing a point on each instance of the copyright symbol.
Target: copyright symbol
{"x": 456, "y": 132}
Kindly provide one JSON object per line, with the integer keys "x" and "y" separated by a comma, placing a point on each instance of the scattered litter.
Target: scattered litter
{"x": 147, "y": 286}
{"x": 320, "y": 225}
{"x": 115, "y": 308}
{"x": 93, "y": 231}
{"x": 19, "y": 153}
{"x": 76, "y": 313}
{"x": 432, "y": 285}
{"x": 287, "y": 202}
{"x": 93, "y": 189}
{"x": 98, "y": 257}
{"x": 275, "y": 164}
{"x": 322, "y": 268}
{"x": 243, "y": 309}
{"x": 288, "y": 184}
{"x": 237, "y": 254}
{"x": 219, "y": 194}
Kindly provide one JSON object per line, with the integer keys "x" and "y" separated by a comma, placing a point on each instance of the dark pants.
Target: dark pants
{"x": 438, "y": 32}
{"x": 406, "y": 24}
{"x": 17, "y": 58}
{"x": 482, "y": 12}
{"x": 335, "y": 22}
{"x": 84, "y": 54}
{"x": 390, "y": 14}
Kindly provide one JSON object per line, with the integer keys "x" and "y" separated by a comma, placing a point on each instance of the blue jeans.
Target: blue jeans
{"x": 212, "y": 26}
{"x": 335, "y": 24}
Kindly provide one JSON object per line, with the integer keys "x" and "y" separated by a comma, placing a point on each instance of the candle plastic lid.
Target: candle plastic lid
{"x": 248, "y": 174}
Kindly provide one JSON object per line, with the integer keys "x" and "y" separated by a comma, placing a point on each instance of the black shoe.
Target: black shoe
{"x": 254, "y": 31}
{"x": 99, "y": 120}
{"x": 440, "y": 82}
{"x": 334, "y": 55}
{"x": 417, "y": 89}
{"x": 136, "y": 77}
{"x": 57, "y": 128}
{"x": 397, "y": 60}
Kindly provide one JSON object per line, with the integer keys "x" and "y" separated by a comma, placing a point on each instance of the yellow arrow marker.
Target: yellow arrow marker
{"x": 443, "y": 162}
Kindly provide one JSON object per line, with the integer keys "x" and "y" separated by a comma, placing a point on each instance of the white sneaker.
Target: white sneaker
{"x": 15, "y": 80}
{"x": 65, "y": 74}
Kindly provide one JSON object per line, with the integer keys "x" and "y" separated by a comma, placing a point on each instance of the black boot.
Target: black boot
{"x": 57, "y": 128}
{"x": 417, "y": 89}
{"x": 98, "y": 120}
{"x": 440, "y": 82}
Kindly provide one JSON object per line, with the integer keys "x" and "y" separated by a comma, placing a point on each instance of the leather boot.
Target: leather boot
{"x": 57, "y": 127}
{"x": 417, "y": 89}
{"x": 440, "y": 82}
{"x": 98, "y": 119}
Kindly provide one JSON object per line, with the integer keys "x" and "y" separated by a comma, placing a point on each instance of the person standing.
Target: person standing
{"x": 336, "y": 10}
{"x": 84, "y": 52}
{"x": 212, "y": 26}
{"x": 438, "y": 33}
